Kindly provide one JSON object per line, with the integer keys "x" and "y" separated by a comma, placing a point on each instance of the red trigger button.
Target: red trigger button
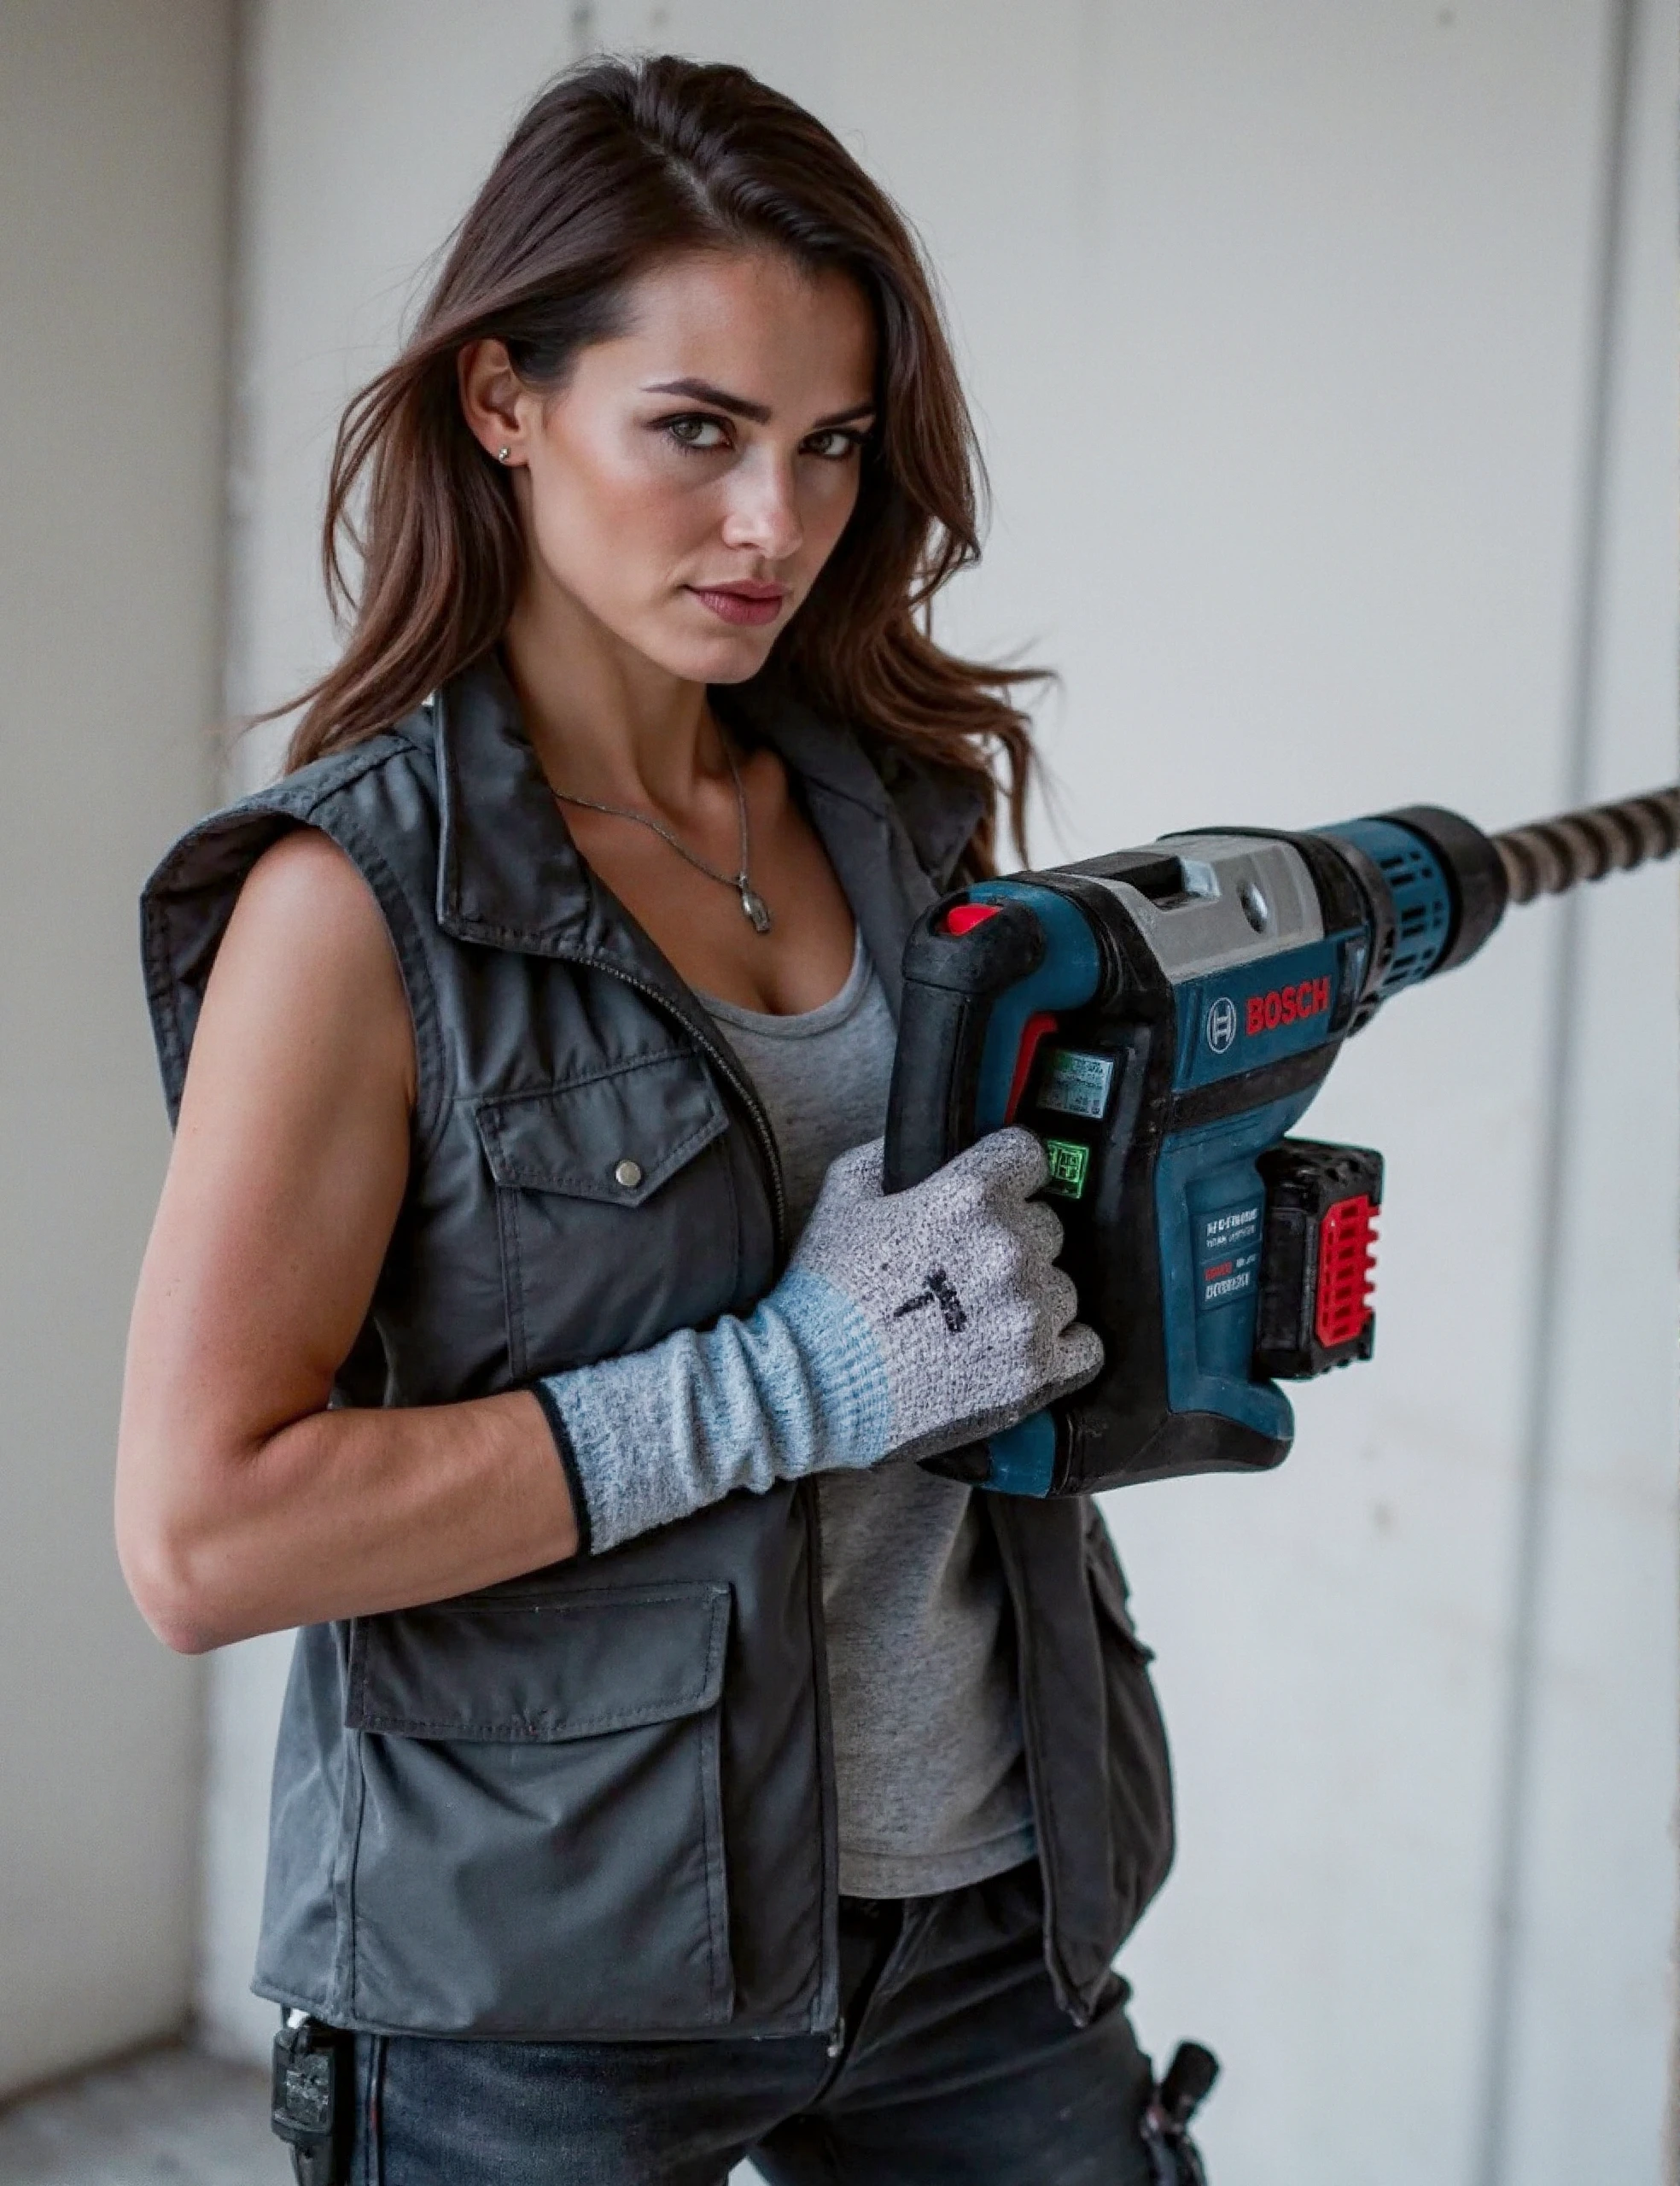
{"x": 964, "y": 917}
{"x": 1032, "y": 1032}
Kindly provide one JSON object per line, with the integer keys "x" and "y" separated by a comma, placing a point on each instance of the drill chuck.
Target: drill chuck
{"x": 1437, "y": 887}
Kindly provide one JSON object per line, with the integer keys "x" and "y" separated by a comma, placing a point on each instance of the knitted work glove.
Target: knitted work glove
{"x": 903, "y": 1325}
{"x": 955, "y": 1287}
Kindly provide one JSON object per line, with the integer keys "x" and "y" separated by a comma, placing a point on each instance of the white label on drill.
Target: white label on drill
{"x": 1227, "y": 1253}
{"x": 1076, "y": 1085}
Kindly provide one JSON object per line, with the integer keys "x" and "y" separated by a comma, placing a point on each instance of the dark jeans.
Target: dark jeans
{"x": 958, "y": 2066}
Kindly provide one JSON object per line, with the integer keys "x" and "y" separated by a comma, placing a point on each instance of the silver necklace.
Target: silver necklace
{"x": 753, "y": 905}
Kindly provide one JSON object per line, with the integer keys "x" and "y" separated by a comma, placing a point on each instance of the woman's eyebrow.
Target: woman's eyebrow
{"x": 846, "y": 417}
{"x": 702, "y": 390}
{"x": 739, "y": 406}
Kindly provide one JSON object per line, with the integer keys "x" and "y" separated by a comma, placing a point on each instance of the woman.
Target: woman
{"x": 664, "y": 1776}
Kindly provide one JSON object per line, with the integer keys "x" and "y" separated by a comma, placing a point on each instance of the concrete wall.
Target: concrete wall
{"x": 1280, "y": 322}
{"x": 114, "y": 174}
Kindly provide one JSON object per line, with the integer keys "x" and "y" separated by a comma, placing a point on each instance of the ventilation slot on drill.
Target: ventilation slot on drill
{"x": 1346, "y": 1259}
{"x": 1418, "y": 892}
{"x": 1422, "y": 912}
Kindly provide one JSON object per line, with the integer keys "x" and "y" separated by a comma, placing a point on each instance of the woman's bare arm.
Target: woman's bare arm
{"x": 243, "y": 1506}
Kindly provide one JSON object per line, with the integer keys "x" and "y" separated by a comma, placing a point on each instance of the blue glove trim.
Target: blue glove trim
{"x": 843, "y": 1361}
{"x": 652, "y": 1437}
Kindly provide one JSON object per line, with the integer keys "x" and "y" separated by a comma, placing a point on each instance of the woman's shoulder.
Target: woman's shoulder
{"x": 356, "y": 828}
{"x": 304, "y": 882}
{"x": 344, "y": 794}
{"x": 308, "y": 944}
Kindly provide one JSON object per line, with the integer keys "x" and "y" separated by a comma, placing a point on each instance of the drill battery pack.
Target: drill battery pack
{"x": 1317, "y": 1253}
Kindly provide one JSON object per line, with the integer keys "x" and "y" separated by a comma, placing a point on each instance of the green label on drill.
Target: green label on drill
{"x": 1076, "y": 1085}
{"x": 1069, "y": 1162}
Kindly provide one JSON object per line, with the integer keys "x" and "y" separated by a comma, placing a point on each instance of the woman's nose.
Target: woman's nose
{"x": 763, "y": 509}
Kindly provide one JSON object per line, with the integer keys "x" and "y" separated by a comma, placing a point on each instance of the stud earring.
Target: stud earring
{"x": 503, "y": 453}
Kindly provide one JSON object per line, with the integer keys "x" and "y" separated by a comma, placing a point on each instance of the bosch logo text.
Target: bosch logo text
{"x": 1286, "y": 1006}
{"x": 1249, "y": 1015}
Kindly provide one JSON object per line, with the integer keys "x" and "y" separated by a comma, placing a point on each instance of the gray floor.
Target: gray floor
{"x": 169, "y": 2118}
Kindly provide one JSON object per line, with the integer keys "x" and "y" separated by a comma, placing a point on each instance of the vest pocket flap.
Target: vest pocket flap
{"x": 616, "y": 1137}
{"x": 536, "y": 1669}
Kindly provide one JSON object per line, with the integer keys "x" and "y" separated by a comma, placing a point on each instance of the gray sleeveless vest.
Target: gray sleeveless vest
{"x": 598, "y": 1801}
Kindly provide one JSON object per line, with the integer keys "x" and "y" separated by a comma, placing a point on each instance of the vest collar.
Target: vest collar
{"x": 935, "y": 813}
{"x": 510, "y": 875}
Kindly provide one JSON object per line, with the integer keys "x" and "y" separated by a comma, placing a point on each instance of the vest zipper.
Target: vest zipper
{"x": 747, "y": 1093}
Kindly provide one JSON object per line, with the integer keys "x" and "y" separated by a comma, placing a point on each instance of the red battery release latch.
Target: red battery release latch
{"x": 1347, "y": 1255}
{"x": 1317, "y": 1251}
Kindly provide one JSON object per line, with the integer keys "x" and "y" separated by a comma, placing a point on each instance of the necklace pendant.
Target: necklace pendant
{"x": 754, "y": 908}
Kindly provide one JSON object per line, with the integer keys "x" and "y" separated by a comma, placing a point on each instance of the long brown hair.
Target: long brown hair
{"x": 616, "y": 164}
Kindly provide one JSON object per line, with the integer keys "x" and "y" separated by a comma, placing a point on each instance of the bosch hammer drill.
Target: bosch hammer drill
{"x": 1162, "y": 1018}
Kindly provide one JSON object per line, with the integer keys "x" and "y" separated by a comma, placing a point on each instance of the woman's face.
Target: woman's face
{"x": 694, "y": 473}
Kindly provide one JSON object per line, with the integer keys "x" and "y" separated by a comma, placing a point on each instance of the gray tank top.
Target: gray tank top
{"x": 931, "y": 1780}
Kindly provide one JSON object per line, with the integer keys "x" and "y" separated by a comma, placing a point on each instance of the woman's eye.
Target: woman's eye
{"x": 835, "y": 444}
{"x": 698, "y": 431}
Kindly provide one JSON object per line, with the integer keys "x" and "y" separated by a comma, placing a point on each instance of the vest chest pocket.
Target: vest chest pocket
{"x": 539, "y": 1849}
{"x": 615, "y": 1208}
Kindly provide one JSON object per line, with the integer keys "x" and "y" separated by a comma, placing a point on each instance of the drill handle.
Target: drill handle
{"x": 962, "y": 960}
{"x": 984, "y": 973}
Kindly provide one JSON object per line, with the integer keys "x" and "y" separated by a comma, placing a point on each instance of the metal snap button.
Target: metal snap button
{"x": 627, "y": 1173}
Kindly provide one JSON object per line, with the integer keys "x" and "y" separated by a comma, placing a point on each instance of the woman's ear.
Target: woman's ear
{"x": 490, "y": 391}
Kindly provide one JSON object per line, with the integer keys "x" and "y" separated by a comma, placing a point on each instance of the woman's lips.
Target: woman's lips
{"x": 751, "y": 604}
